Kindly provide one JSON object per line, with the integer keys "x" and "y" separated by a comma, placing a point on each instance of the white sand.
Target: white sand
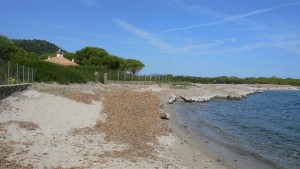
{"x": 52, "y": 145}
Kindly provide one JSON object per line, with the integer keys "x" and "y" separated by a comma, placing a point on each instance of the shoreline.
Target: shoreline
{"x": 47, "y": 121}
{"x": 226, "y": 156}
{"x": 221, "y": 148}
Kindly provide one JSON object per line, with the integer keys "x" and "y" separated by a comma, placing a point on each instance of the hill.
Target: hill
{"x": 37, "y": 46}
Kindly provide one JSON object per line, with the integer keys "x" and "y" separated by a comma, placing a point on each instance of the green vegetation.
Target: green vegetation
{"x": 32, "y": 53}
{"x": 37, "y": 46}
{"x": 94, "y": 56}
{"x": 181, "y": 84}
{"x": 49, "y": 72}
{"x": 90, "y": 56}
{"x": 236, "y": 80}
{"x": 134, "y": 66}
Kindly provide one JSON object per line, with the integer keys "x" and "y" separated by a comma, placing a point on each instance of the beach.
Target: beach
{"x": 112, "y": 126}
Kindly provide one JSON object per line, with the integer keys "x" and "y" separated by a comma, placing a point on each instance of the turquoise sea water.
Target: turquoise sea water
{"x": 265, "y": 124}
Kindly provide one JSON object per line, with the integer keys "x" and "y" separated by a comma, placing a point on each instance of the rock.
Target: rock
{"x": 161, "y": 106}
{"x": 165, "y": 116}
{"x": 235, "y": 96}
{"x": 194, "y": 98}
{"x": 232, "y": 97}
{"x": 172, "y": 99}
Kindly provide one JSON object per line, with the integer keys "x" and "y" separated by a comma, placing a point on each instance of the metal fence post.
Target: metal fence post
{"x": 28, "y": 74}
{"x": 31, "y": 75}
{"x": 8, "y": 72}
{"x": 118, "y": 75}
{"x": 17, "y": 80}
{"x": 23, "y": 74}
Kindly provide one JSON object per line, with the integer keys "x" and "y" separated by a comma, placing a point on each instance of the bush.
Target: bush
{"x": 49, "y": 72}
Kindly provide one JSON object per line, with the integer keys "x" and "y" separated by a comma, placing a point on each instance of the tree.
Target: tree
{"x": 82, "y": 56}
{"x": 8, "y": 51}
{"x": 113, "y": 62}
{"x": 7, "y": 48}
{"x": 37, "y": 46}
{"x": 94, "y": 61}
{"x": 134, "y": 66}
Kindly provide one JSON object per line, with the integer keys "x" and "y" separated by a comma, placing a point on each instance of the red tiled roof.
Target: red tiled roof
{"x": 61, "y": 61}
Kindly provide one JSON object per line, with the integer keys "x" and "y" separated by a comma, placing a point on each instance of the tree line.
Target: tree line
{"x": 33, "y": 53}
{"x": 236, "y": 80}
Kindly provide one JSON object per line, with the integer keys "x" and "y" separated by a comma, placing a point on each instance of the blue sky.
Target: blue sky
{"x": 250, "y": 38}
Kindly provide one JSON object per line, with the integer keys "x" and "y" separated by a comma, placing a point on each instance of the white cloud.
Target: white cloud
{"x": 292, "y": 46}
{"x": 232, "y": 18}
{"x": 150, "y": 38}
{"x": 196, "y": 8}
{"x": 213, "y": 47}
{"x": 208, "y": 44}
{"x": 155, "y": 41}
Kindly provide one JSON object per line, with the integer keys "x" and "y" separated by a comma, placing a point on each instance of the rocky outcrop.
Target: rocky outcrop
{"x": 236, "y": 95}
{"x": 172, "y": 99}
{"x": 195, "y": 98}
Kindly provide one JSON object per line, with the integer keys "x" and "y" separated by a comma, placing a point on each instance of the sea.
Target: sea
{"x": 265, "y": 124}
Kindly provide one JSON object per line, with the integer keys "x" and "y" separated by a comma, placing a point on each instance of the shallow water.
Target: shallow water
{"x": 266, "y": 124}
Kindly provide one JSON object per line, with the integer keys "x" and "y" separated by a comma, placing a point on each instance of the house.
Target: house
{"x": 60, "y": 60}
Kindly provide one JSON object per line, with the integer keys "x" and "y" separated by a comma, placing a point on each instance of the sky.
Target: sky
{"x": 207, "y": 38}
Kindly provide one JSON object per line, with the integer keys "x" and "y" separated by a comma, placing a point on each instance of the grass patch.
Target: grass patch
{"x": 181, "y": 84}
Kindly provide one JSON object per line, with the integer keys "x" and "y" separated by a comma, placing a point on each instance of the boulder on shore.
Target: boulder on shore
{"x": 194, "y": 98}
{"x": 172, "y": 99}
{"x": 164, "y": 115}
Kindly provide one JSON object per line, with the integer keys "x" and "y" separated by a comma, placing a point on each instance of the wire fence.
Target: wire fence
{"x": 124, "y": 76}
{"x": 14, "y": 73}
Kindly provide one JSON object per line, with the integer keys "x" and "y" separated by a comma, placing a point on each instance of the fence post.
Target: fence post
{"x": 8, "y": 72}
{"x": 17, "y": 80}
{"x": 105, "y": 81}
{"x": 96, "y": 76}
{"x": 132, "y": 77}
{"x": 23, "y": 74}
{"x": 31, "y": 75}
{"x": 28, "y": 74}
{"x": 118, "y": 75}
